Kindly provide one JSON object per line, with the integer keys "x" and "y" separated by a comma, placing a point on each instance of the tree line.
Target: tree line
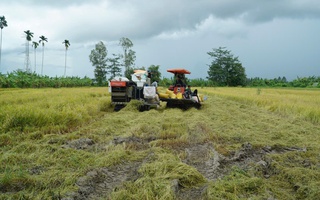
{"x": 25, "y": 79}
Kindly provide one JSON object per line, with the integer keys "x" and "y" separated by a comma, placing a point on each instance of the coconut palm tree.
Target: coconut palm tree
{"x": 29, "y": 36}
{"x": 3, "y": 23}
{"x": 42, "y": 40}
{"x": 35, "y": 46}
{"x": 66, "y": 44}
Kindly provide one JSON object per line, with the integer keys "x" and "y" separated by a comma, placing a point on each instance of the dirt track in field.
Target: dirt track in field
{"x": 99, "y": 183}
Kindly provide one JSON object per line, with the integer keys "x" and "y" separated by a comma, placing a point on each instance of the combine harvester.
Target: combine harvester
{"x": 139, "y": 87}
{"x": 178, "y": 96}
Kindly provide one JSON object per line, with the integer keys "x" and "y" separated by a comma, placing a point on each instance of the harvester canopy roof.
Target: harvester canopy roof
{"x": 139, "y": 71}
{"x": 179, "y": 71}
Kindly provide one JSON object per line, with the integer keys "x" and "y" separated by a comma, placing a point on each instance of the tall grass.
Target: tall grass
{"x": 301, "y": 102}
{"x": 50, "y": 110}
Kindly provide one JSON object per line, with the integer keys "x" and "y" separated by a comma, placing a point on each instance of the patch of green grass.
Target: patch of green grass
{"x": 49, "y": 109}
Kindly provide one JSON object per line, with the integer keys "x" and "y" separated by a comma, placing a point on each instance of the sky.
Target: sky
{"x": 271, "y": 38}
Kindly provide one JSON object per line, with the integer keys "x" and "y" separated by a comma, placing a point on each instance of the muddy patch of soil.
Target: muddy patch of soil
{"x": 187, "y": 193}
{"x": 213, "y": 165}
{"x": 36, "y": 170}
{"x": 204, "y": 158}
{"x": 134, "y": 143}
{"x": 99, "y": 183}
{"x": 82, "y": 143}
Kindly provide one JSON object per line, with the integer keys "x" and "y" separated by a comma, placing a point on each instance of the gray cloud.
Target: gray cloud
{"x": 88, "y": 20}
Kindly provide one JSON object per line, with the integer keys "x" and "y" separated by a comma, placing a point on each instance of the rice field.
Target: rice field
{"x": 300, "y": 102}
{"x": 244, "y": 143}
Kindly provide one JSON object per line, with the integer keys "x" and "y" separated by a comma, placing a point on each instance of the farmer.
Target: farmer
{"x": 148, "y": 81}
{"x": 188, "y": 92}
{"x": 179, "y": 81}
{"x": 155, "y": 84}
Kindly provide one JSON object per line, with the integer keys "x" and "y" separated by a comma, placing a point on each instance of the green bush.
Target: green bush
{"x": 22, "y": 79}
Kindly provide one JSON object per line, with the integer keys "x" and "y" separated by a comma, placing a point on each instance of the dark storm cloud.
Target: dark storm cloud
{"x": 138, "y": 19}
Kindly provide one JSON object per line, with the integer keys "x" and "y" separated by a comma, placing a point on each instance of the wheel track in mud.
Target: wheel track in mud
{"x": 100, "y": 183}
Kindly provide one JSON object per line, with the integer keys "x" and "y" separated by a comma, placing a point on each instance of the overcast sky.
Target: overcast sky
{"x": 272, "y": 38}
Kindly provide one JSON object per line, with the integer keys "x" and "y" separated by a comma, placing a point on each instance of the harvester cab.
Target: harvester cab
{"x": 123, "y": 91}
{"x": 179, "y": 85}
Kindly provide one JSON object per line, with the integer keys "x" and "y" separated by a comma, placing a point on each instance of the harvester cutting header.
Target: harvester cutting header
{"x": 178, "y": 95}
